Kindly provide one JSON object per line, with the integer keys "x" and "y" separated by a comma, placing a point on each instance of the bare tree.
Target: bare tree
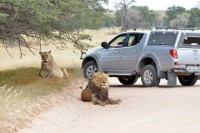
{"x": 134, "y": 18}
{"x": 159, "y": 18}
{"x": 124, "y": 4}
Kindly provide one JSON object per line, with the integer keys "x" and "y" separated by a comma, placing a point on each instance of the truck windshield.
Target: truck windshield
{"x": 162, "y": 38}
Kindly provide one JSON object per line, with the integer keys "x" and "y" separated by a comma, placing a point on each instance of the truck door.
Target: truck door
{"x": 111, "y": 57}
{"x": 131, "y": 53}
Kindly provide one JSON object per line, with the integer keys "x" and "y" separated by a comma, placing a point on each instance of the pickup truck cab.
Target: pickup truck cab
{"x": 151, "y": 55}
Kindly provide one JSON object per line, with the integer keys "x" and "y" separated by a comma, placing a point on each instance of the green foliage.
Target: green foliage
{"x": 49, "y": 19}
{"x": 174, "y": 16}
{"x": 118, "y": 17}
{"x": 194, "y": 20}
{"x": 180, "y": 17}
{"x": 110, "y": 20}
{"x": 172, "y": 13}
{"x": 147, "y": 15}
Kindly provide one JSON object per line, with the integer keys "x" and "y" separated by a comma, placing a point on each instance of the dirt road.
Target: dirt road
{"x": 143, "y": 110}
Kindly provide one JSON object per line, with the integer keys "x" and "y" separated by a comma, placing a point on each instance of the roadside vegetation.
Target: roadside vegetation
{"x": 27, "y": 27}
{"x": 23, "y": 95}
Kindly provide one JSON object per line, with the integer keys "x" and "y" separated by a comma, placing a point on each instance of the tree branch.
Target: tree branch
{"x": 20, "y": 49}
{"x": 24, "y": 41}
{"x": 8, "y": 51}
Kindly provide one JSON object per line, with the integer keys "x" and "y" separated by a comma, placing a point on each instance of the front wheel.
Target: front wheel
{"x": 128, "y": 80}
{"x": 89, "y": 69}
{"x": 149, "y": 76}
{"x": 188, "y": 80}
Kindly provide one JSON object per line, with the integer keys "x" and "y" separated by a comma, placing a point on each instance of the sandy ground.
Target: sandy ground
{"x": 143, "y": 110}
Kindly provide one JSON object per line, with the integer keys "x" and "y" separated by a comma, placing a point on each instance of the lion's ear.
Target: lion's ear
{"x": 50, "y": 51}
{"x": 40, "y": 52}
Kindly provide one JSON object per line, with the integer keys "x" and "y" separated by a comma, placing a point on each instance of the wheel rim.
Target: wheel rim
{"x": 90, "y": 71}
{"x": 148, "y": 77}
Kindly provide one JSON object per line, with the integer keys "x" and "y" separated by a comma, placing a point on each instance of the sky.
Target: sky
{"x": 159, "y": 4}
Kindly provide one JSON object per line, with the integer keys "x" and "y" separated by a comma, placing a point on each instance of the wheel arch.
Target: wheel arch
{"x": 147, "y": 60}
{"x": 87, "y": 59}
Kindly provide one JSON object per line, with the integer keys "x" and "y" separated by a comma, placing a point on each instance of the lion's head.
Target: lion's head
{"x": 46, "y": 56}
{"x": 100, "y": 80}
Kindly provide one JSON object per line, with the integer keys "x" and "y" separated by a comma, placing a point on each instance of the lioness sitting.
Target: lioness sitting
{"x": 49, "y": 68}
{"x": 97, "y": 90}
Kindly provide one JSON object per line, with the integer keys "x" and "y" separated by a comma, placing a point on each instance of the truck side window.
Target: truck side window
{"x": 191, "y": 41}
{"x": 162, "y": 38}
{"x": 118, "y": 42}
{"x": 134, "y": 39}
{"x": 131, "y": 40}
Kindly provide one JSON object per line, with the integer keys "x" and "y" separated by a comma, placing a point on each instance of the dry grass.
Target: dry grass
{"x": 103, "y": 35}
{"x": 13, "y": 113}
{"x": 64, "y": 58}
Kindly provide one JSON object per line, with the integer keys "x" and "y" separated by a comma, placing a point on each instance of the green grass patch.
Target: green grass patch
{"x": 19, "y": 86}
{"x": 32, "y": 85}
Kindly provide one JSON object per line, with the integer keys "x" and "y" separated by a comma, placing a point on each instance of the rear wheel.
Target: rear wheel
{"x": 149, "y": 76}
{"x": 89, "y": 69}
{"x": 128, "y": 80}
{"x": 188, "y": 80}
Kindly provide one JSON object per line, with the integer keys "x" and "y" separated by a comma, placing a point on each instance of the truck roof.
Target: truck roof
{"x": 179, "y": 31}
{"x": 164, "y": 30}
{"x": 138, "y": 31}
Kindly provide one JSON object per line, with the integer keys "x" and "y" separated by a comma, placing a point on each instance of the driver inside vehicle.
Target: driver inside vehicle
{"x": 120, "y": 44}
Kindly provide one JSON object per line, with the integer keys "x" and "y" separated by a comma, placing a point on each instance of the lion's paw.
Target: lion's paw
{"x": 102, "y": 103}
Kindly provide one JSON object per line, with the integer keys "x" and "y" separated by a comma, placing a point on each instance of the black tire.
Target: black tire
{"x": 188, "y": 80}
{"x": 149, "y": 76}
{"x": 128, "y": 80}
{"x": 89, "y": 69}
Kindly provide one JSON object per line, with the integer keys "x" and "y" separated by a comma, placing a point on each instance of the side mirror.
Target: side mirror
{"x": 104, "y": 45}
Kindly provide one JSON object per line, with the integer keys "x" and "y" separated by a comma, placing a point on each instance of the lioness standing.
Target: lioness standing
{"x": 49, "y": 68}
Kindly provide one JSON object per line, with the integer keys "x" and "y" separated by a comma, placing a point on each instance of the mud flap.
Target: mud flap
{"x": 172, "y": 78}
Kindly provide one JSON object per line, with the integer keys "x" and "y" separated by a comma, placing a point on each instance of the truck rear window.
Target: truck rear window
{"x": 162, "y": 38}
{"x": 191, "y": 41}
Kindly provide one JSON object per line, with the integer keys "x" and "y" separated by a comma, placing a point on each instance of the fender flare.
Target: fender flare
{"x": 90, "y": 58}
{"x": 155, "y": 60}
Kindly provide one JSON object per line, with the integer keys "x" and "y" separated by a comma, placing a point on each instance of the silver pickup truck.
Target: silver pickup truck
{"x": 151, "y": 55}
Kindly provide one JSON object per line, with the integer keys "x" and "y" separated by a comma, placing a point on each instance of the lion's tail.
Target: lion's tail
{"x": 65, "y": 73}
